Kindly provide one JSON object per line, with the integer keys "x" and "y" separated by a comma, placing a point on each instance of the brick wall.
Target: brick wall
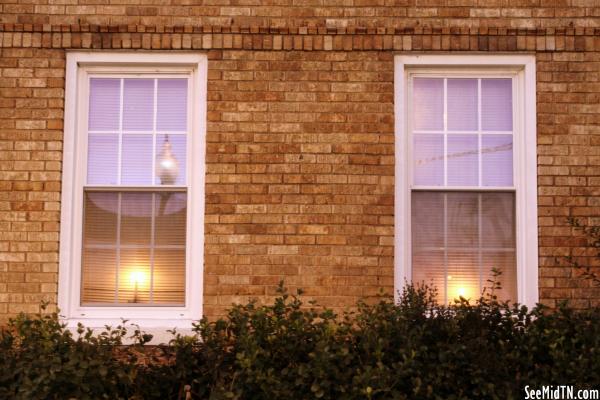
{"x": 297, "y": 13}
{"x": 300, "y": 149}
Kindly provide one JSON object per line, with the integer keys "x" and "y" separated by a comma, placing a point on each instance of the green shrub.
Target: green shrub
{"x": 415, "y": 349}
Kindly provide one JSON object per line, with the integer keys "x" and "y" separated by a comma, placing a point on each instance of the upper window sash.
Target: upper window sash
{"x": 471, "y": 147}
{"x": 151, "y": 136}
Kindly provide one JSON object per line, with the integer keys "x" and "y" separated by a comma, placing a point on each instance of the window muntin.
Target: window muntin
{"x": 462, "y": 185}
{"x": 134, "y": 242}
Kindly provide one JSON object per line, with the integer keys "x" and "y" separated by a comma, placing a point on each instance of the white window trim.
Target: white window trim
{"x": 525, "y": 161}
{"x": 74, "y": 156}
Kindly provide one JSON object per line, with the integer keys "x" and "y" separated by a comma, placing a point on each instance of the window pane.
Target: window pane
{"x": 476, "y": 231}
{"x": 429, "y": 267}
{"x": 104, "y": 104}
{"x": 103, "y": 159}
{"x": 498, "y": 219}
{"x": 171, "y": 159}
{"x": 428, "y": 164}
{"x": 170, "y": 211}
{"x": 98, "y": 281}
{"x": 430, "y": 210}
{"x": 136, "y": 218}
{"x": 464, "y": 275}
{"x": 134, "y": 276}
{"x": 136, "y": 160}
{"x": 169, "y": 274}
{"x": 496, "y": 104}
{"x": 462, "y": 104}
{"x": 130, "y": 254}
{"x": 463, "y": 160}
{"x": 496, "y": 160}
{"x": 461, "y": 214}
{"x": 506, "y": 263}
{"x": 138, "y": 104}
{"x": 172, "y": 105}
{"x": 428, "y": 103}
{"x": 100, "y": 227}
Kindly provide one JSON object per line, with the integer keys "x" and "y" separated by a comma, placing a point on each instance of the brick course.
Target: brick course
{"x": 300, "y": 136}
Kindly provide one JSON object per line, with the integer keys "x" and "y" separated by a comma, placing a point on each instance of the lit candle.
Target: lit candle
{"x": 136, "y": 278}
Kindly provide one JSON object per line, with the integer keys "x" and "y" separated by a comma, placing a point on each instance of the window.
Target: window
{"x": 466, "y": 174}
{"x": 133, "y": 203}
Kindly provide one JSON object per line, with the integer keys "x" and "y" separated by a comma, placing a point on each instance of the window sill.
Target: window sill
{"x": 158, "y": 328}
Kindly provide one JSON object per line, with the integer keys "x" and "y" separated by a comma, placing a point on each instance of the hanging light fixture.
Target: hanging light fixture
{"x": 167, "y": 167}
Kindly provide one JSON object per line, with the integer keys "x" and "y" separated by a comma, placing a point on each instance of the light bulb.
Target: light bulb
{"x": 167, "y": 168}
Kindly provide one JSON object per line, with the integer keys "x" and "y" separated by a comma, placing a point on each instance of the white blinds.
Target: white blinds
{"x": 134, "y": 242}
{"x": 463, "y": 201}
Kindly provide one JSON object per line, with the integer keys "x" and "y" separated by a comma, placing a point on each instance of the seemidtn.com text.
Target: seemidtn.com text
{"x": 560, "y": 392}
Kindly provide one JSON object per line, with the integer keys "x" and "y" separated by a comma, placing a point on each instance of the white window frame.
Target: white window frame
{"x": 522, "y": 67}
{"x": 80, "y": 65}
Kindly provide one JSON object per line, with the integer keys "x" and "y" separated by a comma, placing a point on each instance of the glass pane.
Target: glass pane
{"x": 498, "y": 219}
{"x": 104, "y": 105}
{"x": 461, "y": 212}
{"x": 103, "y": 159}
{"x": 496, "y": 160}
{"x": 172, "y": 105}
{"x": 171, "y": 215}
{"x": 169, "y": 276}
{"x": 430, "y": 213}
{"x": 144, "y": 263}
{"x": 136, "y": 163}
{"x": 135, "y": 276}
{"x": 428, "y": 161}
{"x": 429, "y": 267}
{"x": 428, "y": 103}
{"x": 463, "y": 160}
{"x": 171, "y": 159}
{"x": 138, "y": 104}
{"x": 136, "y": 218}
{"x": 463, "y": 275}
{"x": 496, "y": 104}
{"x": 506, "y": 263}
{"x": 474, "y": 232}
{"x": 100, "y": 219}
{"x": 462, "y": 104}
{"x": 99, "y": 272}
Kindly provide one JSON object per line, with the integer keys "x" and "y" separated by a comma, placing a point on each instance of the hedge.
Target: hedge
{"x": 414, "y": 349}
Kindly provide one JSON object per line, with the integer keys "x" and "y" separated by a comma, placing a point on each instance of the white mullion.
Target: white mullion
{"x": 154, "y": 132}
{"x": 118, "y": 249}
{"x": 134, "y": 188}
{"x": 152, "y": 239}
{"x": 446, "y": 248}
{"x": 451, "y": 132}
{"x": 120, "y": 155}
{"x": 465, "y": 188}
{"x": 480, "y": 240}
{"x": 445, "y": 132}
{"x": 479, "y": 137}
{"x": 469, "y": 249}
